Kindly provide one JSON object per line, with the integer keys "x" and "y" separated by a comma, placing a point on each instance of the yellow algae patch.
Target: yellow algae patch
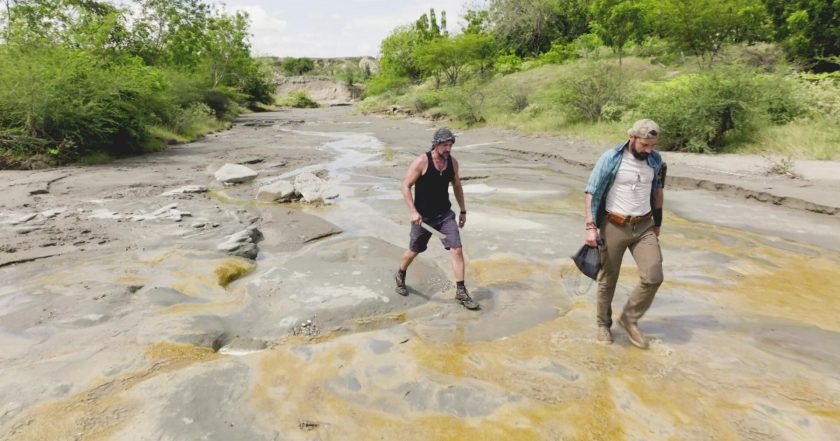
{"x": 832, "y": 413}
{"x": 206, "y": 308}
{"x": 160, "y": 258}
{"x": 179, "y": 353}
{"x": 287, "y": 385}
{"x": 391, "y": 319}
{"x": 232, "y": 269}
{"x": 221, "y": 196}
{"x": 370, "y": 323}
{"x": 442, "y": 427}
{"x": 679, "y": 403}
{"x": 803, "y": 290}
{"x": 291, "y": 392}
{"x": 82, "y": 416}
{"x": 504, "y": 268}
{"x": 767, "y": 280}
{"x": 99, "y": 412}
{"x": 446, "y": 358}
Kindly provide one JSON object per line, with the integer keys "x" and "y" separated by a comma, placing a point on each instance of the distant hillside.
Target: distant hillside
{"x": 328, "y": 81}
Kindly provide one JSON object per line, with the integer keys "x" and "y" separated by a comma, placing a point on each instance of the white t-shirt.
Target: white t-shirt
{"x": 630, "y": 192}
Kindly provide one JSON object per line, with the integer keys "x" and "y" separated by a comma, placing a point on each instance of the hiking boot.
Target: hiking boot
{"x": 463, "y": 297}
{"x": 401, "y": 288}
{"x": 632, "y": 329}
{"x": 604, "y": 335}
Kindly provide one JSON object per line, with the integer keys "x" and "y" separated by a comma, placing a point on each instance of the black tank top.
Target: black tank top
{"x": 431, "y": 191}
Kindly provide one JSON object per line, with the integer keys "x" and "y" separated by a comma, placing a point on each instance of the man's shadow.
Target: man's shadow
{"x": 679, "y": 329}
{"x": 481, "y": 295}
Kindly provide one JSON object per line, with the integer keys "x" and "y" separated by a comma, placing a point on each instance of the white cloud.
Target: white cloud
{"x": 334, "y": 28}
{"x": 262, "y": 21}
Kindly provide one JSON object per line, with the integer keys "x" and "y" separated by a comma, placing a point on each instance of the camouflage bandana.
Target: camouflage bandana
{"x": 441, "y": 136}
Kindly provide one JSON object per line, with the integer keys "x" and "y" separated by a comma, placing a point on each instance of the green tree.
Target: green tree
{"x": 85, "y": 24}
{"x": 450, "y": 56}
{"x": 478, "y": 21}
{"x": 171, "y": 32}
{"x": 808, "y": 29}
{"x": 617, "y": 23}
{"x": 297, "y": 66}
{"x": 703, "y": 27}
{"x": 528, "y": 27}
{"x": 227, "y": 52}
{"x": 427, "y": 26}
{"x": 397, "y": 58}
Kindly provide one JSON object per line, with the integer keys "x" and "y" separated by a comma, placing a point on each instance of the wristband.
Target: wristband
{"x": 463, "y": 211}
{"x": 657, "y": 217}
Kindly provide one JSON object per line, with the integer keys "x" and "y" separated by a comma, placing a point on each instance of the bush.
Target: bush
{"x": 508, "y": 64}
{"x": 780, "y": 98}
{"x": 509, "y": 95}
{"x": 699, "y": 112}
{"x": 76, "y": 102}
{"x": 822, "y": 99}
{"x": 425, "y": 101}
{"x": 297, "y": 66}
{"x": 257, "y": 87}
{"x": 384, "y": 83}
{"x": 587, "y": 88}
{"x": 299, "y": 99}
{"x": 190, "y": 120}
{"x": 584, "y": 46}
{"x": 466, "y": 103}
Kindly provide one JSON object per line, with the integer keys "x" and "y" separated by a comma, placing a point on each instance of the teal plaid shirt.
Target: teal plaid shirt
{"x": 603, "y": 175}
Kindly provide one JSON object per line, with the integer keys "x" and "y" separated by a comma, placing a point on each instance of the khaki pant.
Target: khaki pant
{"x": 644, "y": 246}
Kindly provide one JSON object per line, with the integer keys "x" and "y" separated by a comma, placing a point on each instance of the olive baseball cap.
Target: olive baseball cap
{"x": 644, "y": 128}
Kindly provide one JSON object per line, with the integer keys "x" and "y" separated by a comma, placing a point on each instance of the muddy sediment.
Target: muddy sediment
{"x": 122, "y": 318}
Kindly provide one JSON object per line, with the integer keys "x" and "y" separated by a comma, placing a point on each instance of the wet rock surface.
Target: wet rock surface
{"x": 157, "y": 302}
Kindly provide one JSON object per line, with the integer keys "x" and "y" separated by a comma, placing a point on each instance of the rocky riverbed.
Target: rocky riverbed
{"x": 150, "y": 299}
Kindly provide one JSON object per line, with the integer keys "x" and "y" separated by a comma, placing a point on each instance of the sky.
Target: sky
{"x": 335, "y": 28}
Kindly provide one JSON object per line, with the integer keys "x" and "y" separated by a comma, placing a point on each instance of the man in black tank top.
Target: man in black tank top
{"x": 430, "y": 175}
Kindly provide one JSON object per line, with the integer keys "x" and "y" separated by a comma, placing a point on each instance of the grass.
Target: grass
{"x": 189, "y": 133}
{"x": 298, "y": 99}
{"x": 803, "y": 139}
{"x": 389, "y": 153}
{"x": 528, "y": 101}
{"x": 95, "y": 158}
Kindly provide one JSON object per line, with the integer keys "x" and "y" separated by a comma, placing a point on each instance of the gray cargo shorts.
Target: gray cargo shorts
{"x": 445, "y": 223}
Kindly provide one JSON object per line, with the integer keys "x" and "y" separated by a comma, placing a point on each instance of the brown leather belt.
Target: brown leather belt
{"x": 624, "y": 220}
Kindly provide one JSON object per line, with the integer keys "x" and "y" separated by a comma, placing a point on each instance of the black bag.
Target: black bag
{"x": 588, "y": 261}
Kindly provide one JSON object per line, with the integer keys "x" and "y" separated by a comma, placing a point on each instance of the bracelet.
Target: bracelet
{"x": 463, "y": 211}
{"x": 657, "y": 217}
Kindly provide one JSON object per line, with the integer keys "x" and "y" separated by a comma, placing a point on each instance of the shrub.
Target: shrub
{"x": 586, "y": 88}
{"x": 466, "y": 103}
{"x": 779, "y": 98}
{"x": 612, "y": 111}
{"x": 190, "y": 121}
{"x": 297, "y": 66}
{"x": 508, "y": 64}
{"x": 76, "y": 101}
{"x": 299, "y": 99}
{"x": 425, "y": 101}
{"x": 698, "y": 112}
{"x": 822, "y": 98}
{"x": 385, "y": 82}
{"x": 509, "y": 95}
